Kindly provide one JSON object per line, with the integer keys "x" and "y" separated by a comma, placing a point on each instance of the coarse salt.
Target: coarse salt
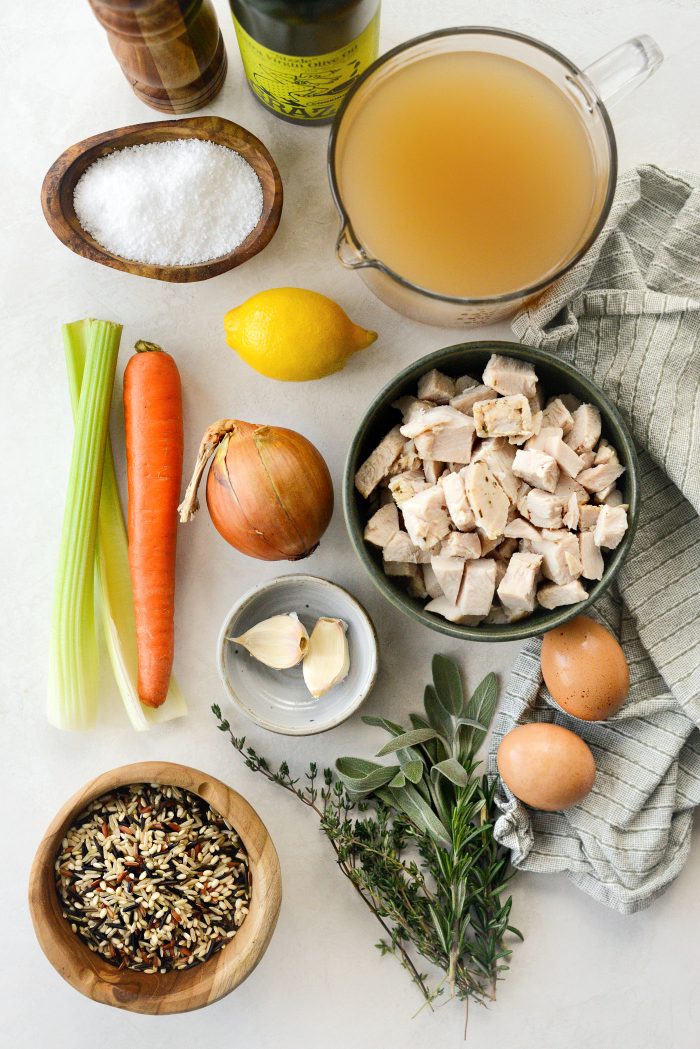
{"x": 173, "y": 203}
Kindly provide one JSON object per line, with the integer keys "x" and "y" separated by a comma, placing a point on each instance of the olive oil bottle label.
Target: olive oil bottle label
{"x": 306, "y": 87}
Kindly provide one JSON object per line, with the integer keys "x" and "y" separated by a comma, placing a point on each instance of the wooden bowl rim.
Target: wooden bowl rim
{"x": 181, "y": 990}
{"x": 74, "y": 160}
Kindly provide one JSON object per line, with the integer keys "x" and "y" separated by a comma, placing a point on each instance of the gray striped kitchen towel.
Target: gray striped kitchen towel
{"x": 628, "y": 315}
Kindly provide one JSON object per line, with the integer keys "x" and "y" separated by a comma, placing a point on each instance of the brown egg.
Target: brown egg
{"x": 585, "y": 669}
{"x": 546, "y": 766}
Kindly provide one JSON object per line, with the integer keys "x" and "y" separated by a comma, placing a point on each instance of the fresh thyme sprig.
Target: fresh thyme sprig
{"x": 415, "y": 838}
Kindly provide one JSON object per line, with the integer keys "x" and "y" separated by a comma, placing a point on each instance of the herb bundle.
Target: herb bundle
{"x": 415, "y": 838}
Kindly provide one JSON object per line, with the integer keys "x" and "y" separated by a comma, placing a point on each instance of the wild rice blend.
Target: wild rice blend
{"x": 152, "y": 878}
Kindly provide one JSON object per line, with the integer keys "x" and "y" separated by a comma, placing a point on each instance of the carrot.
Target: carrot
{"x": 153, "y": 423}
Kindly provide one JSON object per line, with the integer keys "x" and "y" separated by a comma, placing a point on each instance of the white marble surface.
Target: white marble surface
{"x": 584, "y": 976}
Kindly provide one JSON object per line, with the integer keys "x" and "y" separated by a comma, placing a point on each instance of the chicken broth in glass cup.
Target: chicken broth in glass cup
{"x": 473, "y": 167}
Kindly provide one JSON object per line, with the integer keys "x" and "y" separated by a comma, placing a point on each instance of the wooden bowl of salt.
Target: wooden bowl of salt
{"x": 178, "y": 990}
{"x": 58, "y": 189}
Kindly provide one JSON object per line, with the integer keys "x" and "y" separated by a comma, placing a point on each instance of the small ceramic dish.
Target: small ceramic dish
{"x": 179, "y": 990}
{"x": 63, "y": 175}
{"x": 278, "y": 700}
{"x": 556, "y": 376}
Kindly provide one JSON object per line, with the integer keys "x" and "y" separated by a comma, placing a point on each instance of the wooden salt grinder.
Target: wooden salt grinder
{"x": 171, "y": 51}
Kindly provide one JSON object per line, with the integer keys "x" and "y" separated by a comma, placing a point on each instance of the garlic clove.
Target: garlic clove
{"x": 327, "y": 661}
{"x": 279, "y": 642}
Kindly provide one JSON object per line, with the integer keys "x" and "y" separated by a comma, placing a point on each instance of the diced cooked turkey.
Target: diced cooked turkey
{"x": 521, "y": 500}
{"x": 448, "y": 572}
{"x": 487, "y": 499}
{"x": 457, "y": 501}
{"x": 536, "y": 468}
{"x": 442, "y": 606}
{"x": 408, "y": 460}
{"x": 498, "y": 456}
{"x": 377, "y": 465}
{"x": 434, "y": 386}
{"x": 487, "y": 544}
{"x": 614, "y": 498}
{"x": 558, "y": 558}
{"x": 605, "y": 453}
{"x": 501, "y": 569}
{"x": 466, "y": 545}
{"x": 430, "y": 581}
{"x": 519, "y": 528}
{"x": 503, "y": 417}
{"x": 537, "y": 400}
{"x": 415, "y": 585}
{"x": 405, "y": 485}
{"x": 554, "y": 596}
{"x": 449, "y": 441}
{"x": 585, "y": 432}
{"x": 465, "y": 400}
{"x": 517, "y": 590}
{"x": 478, "y": 587}
{"x": 402, "y": 569}
{"x": 535, "y": 427}
{"x": 433, "y": 470}
{"x": 411, "y": 407}
{"x": 557, "y": 414}
{"x": 550, "y": 440}
{"x": 431, "y": 420}
{"x": 382, "y": 526}
{"x": 508, "y": 375}
{"x": 544, "y": 509}
{"x": 487, "y": 486}
{"x": 610, "y": 527}
{"x": 400, "y": 548}
{"x": 567, "y": 486}
{"x": 425, "y": 517}
{"x": 591, "y": 557}
{"x": 465, "y": 382}
{"x": 588, "y": 517}
{"x": 596, "y": 478}
{"x": 572, "y": 514}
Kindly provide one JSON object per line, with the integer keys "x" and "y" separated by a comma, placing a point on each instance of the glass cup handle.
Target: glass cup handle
{"x": 624, "y": 68}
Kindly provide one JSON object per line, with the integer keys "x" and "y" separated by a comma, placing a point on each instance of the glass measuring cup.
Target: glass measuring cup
{"x": 605, "y": 81}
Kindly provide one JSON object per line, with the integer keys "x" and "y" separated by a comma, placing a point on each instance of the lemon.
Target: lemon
{"x": 293, "y": 334}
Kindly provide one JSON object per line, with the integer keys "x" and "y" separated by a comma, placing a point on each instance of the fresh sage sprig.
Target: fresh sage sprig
{"x": 415, "y": 836}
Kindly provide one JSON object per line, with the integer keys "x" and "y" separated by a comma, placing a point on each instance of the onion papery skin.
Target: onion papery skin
{"x": 269, "y": 492}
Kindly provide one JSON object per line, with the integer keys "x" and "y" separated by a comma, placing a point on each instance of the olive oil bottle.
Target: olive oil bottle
{"x": 302, "y": 56}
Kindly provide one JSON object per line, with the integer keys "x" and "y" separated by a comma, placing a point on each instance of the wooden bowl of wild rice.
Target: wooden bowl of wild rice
{"x": 156, "y": 888}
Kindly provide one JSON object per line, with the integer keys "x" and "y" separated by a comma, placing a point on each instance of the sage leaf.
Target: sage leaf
{"x": 453, "y": 771}
{"x": 407, "y": 739}
{"x": 482, "y": 705}
{"x": 419, "y": 812}
{"x": 437, "y": 715}
{"x": 413, "y": 771}
{"x": 448, "y": 684}
{"x": 390, "y": 726}
{"x": 364, "y": 781}
{"x": 399, "y": 780}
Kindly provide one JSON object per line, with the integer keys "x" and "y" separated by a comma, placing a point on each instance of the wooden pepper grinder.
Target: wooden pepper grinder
{"x": 171, "y": 51}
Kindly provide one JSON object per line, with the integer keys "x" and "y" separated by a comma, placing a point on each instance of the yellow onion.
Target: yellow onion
{"x": 269, "y": 491}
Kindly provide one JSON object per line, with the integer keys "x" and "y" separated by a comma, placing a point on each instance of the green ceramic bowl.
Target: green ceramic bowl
{"x": 556, "y": 376}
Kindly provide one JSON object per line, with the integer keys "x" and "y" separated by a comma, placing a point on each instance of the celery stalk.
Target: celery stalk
{"x": 73, "y": 666}
{"x": 115, "y": 599}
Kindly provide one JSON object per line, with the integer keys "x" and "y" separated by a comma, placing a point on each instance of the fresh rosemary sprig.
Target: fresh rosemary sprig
{"x": 415, "y": 838}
